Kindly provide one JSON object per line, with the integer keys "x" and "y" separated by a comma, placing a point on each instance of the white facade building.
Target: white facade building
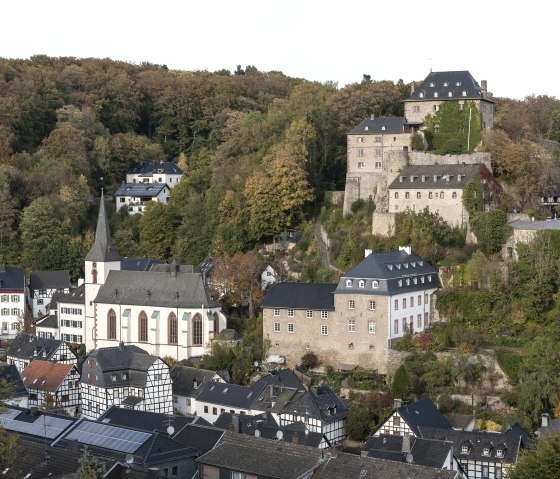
{"x": 136, "y": 197}
{"x": 160, "y": 173}
{"x": 42, "y": 286}
{"x": 12, "y": 301}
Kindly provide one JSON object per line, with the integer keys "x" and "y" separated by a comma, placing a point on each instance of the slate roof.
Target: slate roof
{"x": 383, "y": 125}
{"x": 230, "y": 395}
{"x": 318, "y": 402}
{"x": 103, "y": 249}
{"x": 350, "y": 466}
{"x": 284, "y": 378}
{"x": 150, "y": 168}
{"x": 184, "y": 378}
{"x": 388, "y": 269}
{"x": 10, "y": 374}
{"x": 148, "y": 288}
{"x": 11, "y": 279}
{"x": 423, "y": 413}
{"x": 76, "y": 296}
{"x": 445, "y": 82}
{"x": 263, "y": 457}
{"x": 425, "y": 452}
{"x": 517, "y": 430}
{"x": 59, "y": 279}
{"x": 317, "y": 296}
{"x": 477, "y": 441}
{"x": 49, "y": 321}
{"x": 200, "y": 437}
{"x": 141, "y": 190}
{"x": 161, "y": 448}
{"x": 25, "y": 345}
{"x": 139, "y": 264}
{"x": 115, "y": 361}
{"x": 206, "y": 266}
{"x": 441, "y": 172}
{"x": 143, "y": 420}
{"x": 535, "y": 225}
{"x": 45, "y": 375}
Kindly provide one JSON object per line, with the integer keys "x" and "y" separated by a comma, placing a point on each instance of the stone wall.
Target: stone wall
{"x": 383, "y": 223}
{"x": 424, "y": 158}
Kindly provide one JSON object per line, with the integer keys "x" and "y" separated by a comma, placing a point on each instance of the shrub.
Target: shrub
{"x": 510, "y": 362}
{"x": 399, "y": 386}
{"x": 309, "y": 361}
{"x": 357, "y": 205}
{"x": 358, "y": 423}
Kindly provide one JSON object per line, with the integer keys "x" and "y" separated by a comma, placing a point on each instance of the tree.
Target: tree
{"x": 358, "y": 423}
{"x": 10, "y": 453}
{"x": 8, "y": 235}
{"x": 399, "y": 386}
{"x": 491, "y": 230}
{"x": 90, "y": 466}
{"x": 540, "y": 461}
{"x": 157, "y": 227}
{"x": 309, "y": 360}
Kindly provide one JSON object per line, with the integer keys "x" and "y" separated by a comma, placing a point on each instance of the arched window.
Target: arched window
{"x": 111, "y": 325}
{"x": 143, "y": 327}
{"x": 94, "y": 273}
{"x": 197, "y": 330}
{"x": 216, "y": 323}
{"x": 172, "y": 329}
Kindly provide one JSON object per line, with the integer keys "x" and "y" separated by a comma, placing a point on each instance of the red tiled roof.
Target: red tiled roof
{"x": 45, "y": 375}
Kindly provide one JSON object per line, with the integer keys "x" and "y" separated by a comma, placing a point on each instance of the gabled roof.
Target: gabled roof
{"x": 423, "y": 413}
{"x": 319, "y": 402}
{"x": 27, "y": 346}
{"x": 141, "y": 190}
{"x": 383, "y": 125}
{"x": 75, "y": 296}
{"x": 444, "y": 83}
{"x": 230, "y": 395}
{"x": 103, "y": 249}
{"x": 477, "y": 441}
{"x": 149, "y": 288}
{"x": 283, "y": 378}
{"x": 317, "y": 296}
{"x": 139, "y": 264}
{"x": 49, "y": 321}
{"x": 151, "y": 168}
{"x": 143, "y": 420}
{"x": 184, "y": 379}
{"x": 350, "y": 466}
{"x": 263, "y": 457}
{"x": 517, "y": 430}
{"x": 59, "y": 279}
{"x": 11, "y": 279}
{"x": 535, "y": 225}
{"x": 425, "y": 452}
{"x": 45, "y": 375}
{"x": 432, "y": 177}
{"x": 200, "y": 437}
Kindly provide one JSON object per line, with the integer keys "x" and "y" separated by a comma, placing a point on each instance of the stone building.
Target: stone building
{"x": 357, "y": 320}
{"x": 525, "y": 231}
{"x": 439, "y": 188}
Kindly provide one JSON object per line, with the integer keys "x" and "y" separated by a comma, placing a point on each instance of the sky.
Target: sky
{"x": 513, "y": 46}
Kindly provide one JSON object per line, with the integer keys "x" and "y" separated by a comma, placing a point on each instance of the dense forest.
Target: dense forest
{"x": 259, "y": 150}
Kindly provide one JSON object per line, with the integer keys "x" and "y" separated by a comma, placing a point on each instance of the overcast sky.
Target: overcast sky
{"x": 514, "y": 46}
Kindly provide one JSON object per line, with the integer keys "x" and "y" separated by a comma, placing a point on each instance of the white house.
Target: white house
{"x": 49, "y": 381}
{"x": 26, "y": 348}
{"x": 268, "y": 277}
{"x": 125, "y": 376}
{"x": 161, "y": 173}
{"x": 135, "y": 197}
{"x": 43, "y": 285}
{"x": 187, "y": 384}
{"x": 12, "y": 300}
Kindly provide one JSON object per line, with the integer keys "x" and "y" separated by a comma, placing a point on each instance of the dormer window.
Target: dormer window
{"x": 405, "y": 265}
{"x": 429, "y": 278}
{"x": 432, "y": 84}
{"x": 366, "y": 128}
{"x": 113, "y": 377}
{"x": 450, "y": 93}
{"x": 435, "y": 94}
{"x": 361, "y": 283}
{"x": 499, "y": 453}
{"x": 413, "y": 264}
{"x": 464, "y": 93}
{"x": 390, "y": 267}
{"x": 445, "y": 83}
{"x": 421, "y": 95}
{"x": 465, "y": 450}
{"x": 458, "y": 83}
{"x": 486, "y": 451}
{"x": 375, "y": 284}
{"x": 123, "y": 376}
{"x": 400, "y": 283}
{"x": 408, "y": 281}
{"x": 398, "y": 265}
{"x": 421, "y": 263}
{"x": 348, "y": 283}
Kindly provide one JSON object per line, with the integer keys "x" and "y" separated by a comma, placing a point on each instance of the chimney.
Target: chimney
{"x": 367, "y": 252}
{"x": 235, "y": 422}
{"x": 397, "y": 403}
{"x": 173, "y": 269}
{"x": 483, "y": 87}
{"x": 401, "y": 178}
{"x": 412, "y": 87}
{"x": 121, "y": 345}
{"x": 372, "y": 117}
{"x": 544, "y": 419}
{"x": 406, "y": 444}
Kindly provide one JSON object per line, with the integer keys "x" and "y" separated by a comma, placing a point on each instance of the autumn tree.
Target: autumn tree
{"x": 541, "y": 460}
{"x": 10, "y": 454}
{"x": 91, "y": 467}
{"x": 157, "y": 226}
{"x": 8, "y": 235}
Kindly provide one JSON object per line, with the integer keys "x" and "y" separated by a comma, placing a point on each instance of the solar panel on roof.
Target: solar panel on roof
{"x": 44, "y": 426}
{"x": 109, "y": 437}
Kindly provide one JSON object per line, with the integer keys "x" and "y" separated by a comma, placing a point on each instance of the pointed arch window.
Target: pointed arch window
{"x": 111, "y": 324}
{"x": 172, "y": 330}
{"x": 216, "y": 323}
{"x": 143, "y": 327}
{"x": 94, "y": 273}
{"x": 197, "y": 330}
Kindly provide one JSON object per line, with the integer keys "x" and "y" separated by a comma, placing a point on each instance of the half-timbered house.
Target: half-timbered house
{"x": 27, "y": 347}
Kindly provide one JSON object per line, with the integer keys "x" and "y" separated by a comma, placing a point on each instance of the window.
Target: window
{"x": 485, "y": 472}
{"x": 5, "y": 311}
{"x": 396, "y": 304}
{"x": 324, "y": 329}
{"x": 436, "y": 94}
{"x": 396, "y": 195}
{"x": 360, "y": 164}
{"x": 360, "y": 139}
{"x": 416, "y": 109}
{"x": 464, "y": 93}
{"x": 375, "y": 284}
{"x": 378, "y": 152}
{"x": 237, "y": 475}
{"x": 426, "y": 298}
{"x": 290, "y": 327}
{"x": 15, "y": 311}
{"x": 290, "y": 313}
{"x": 111, "y": 324}
{"x": 5, "y": 298}
{"x": 348, "y": 283}
{"x": 142, "y": 327}
{"x": 430, "y": 195}
{"x": 324, "y": 315}
{"x": 499, "y": 453}
{"x": 360, "y": 152}
{"x": 377, "y": 165}
{"x": 15, "y": 298}
{"x": 485, "y": 451}
{"x": 205, "y": 409}
{"x": 351, "y": 304}
{"x": 436, "y": 107}
{"x": 377, "y": 139}
{"x": 404, "y": 303}
{"x": 371, "y": 327}
{"x": 426, "y": 319}
{"x": 197, "y": 330}
{"x": 309, "y": 314}
{"x": 397, "y": 421}
{"x": 361, "y": 283}
{"x": 351, "y": 326}
{"x": 419, "y": 299}
{"x": 396, "y": 326}
{"x": 418, "y": 195}
{"x": 419, "y": 321}
{"x": 276, "y": 311}
{"x": 407, "y": 195}
{"x": 372, "y": 305}
{"x": 454, "y": 195}
{"x": 276, "y": 327}
{"x": 441, "y": 195}
{"x": 465, "y": 450}
{"x": 172, "y": 329}
{"x": 215, "y": 411}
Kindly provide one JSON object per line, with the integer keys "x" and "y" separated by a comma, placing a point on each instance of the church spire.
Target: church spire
{"x": 103, "y": 249}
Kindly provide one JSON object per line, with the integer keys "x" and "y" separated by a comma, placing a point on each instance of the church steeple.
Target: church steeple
{"x": 103, "y": 249}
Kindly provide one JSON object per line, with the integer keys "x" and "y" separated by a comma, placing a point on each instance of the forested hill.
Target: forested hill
{"x": 70, "y": 126}
{"x": 258, "y": 149}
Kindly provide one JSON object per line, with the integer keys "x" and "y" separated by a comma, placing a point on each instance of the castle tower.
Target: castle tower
{"x": 102, "y": 258}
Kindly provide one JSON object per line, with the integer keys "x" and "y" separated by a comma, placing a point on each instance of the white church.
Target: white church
{"x": 166, "y": 312}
